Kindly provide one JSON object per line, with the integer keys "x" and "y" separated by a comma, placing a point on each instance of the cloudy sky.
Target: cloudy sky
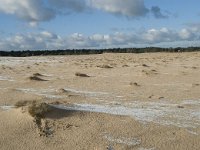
{"x": 64, "y": 24}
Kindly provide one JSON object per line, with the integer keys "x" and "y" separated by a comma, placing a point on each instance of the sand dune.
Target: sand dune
{"x": 101, "y": 102}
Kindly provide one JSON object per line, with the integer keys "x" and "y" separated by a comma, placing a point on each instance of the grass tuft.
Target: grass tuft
{"x": 21, "y": 103}
{"x": 134, "y": 83}
{"x": 36, "y": 78}
{"x": 37, "y": 74}
{"x": 81, "y": 74}
{"x": 38, "y": 110}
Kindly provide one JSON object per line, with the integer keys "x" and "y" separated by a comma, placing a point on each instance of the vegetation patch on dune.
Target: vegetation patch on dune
{"x": 134, "y": 83}
{"x": 38, "y": 110}
{"x": 22, "y": 103}
{"x": 37, "y": 74}
{"x": 36, "y": 78}
{"x": 81, "y": 74}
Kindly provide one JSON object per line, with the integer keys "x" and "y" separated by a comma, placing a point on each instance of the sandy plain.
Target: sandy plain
{"x": 145, "y": 101}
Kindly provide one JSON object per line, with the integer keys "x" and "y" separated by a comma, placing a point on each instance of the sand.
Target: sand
{"x": 145, "y": 101}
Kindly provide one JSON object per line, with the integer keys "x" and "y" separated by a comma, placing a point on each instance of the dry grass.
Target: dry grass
{"x": 81, "y": 74}
{"x": 37, "y": 109}
{"x": 37, "y": 74}
{"x": 36, "y": 78}
{"x": 196, "y": 84}
{"x": 125, "y": 66}
{"x": 105, "y": 66}
{"x": 134, "y": 83}
{"x": 145, "y": 65}
{"x": 180, "y": 106}
{"x": 161, "y": 97}
{"x": 21, "y": 104}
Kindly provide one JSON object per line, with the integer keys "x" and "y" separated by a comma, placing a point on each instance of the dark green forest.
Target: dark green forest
{"x": 27, "y": 53}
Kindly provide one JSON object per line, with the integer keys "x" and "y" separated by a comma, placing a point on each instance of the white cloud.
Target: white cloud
{"x": 186, "y": 34}
{"x": 29, "y": 10}
{"x": 98, "y": 37}
{"x": 35, "y": 11}
{"x": 159, "y": 35}
{"x": 151, "y": 37}
{"x": 129, "y": 8}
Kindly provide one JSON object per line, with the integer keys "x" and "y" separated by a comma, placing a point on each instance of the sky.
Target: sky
{"x": 95, "y": 24}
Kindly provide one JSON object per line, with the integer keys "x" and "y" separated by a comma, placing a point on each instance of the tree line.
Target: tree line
{"x": 27, "y": 53}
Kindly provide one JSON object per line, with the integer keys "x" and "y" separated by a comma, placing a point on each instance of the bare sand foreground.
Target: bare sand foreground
{"x": 102, "y": 102}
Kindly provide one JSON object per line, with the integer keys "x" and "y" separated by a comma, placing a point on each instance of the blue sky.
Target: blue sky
{"x": 63, "y": 24}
